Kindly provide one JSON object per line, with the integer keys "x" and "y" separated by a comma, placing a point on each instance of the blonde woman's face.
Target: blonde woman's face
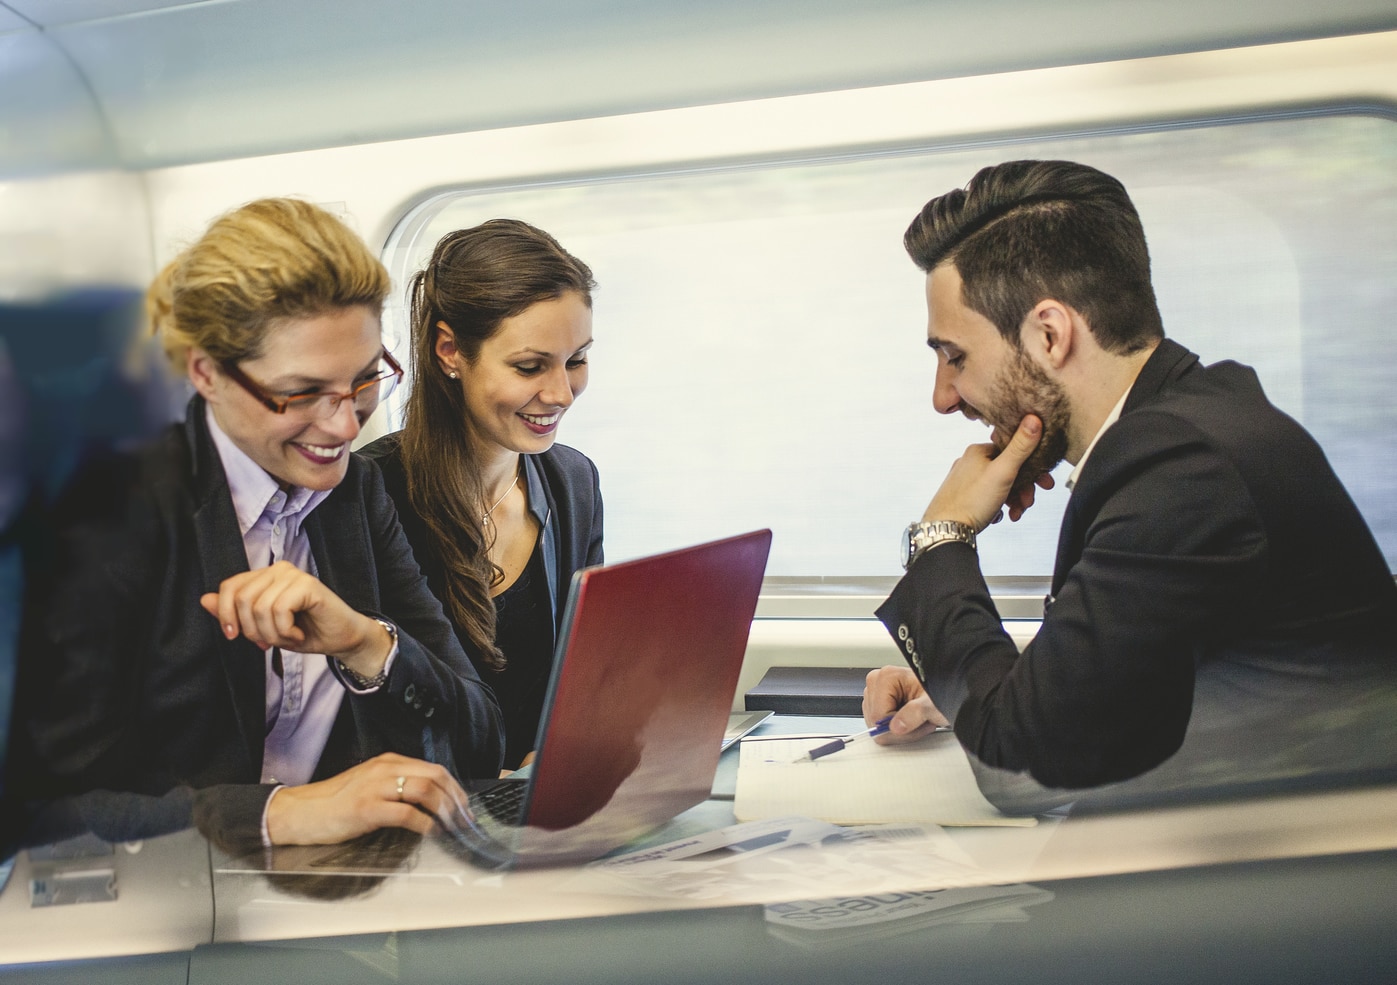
{"x": 329, "y": 353}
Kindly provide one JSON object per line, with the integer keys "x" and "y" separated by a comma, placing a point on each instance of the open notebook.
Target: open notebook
{"x": 927, "y": 781}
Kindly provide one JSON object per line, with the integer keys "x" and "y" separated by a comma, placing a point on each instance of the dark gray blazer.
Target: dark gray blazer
{"x": 127, "y": 684}
{"x": 1213, "y": 581}
{"x": 564, "y": 496}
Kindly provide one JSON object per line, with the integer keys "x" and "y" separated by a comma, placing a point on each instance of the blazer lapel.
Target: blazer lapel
{"x": 542, "y": 509}
{"x": 347, "y": 567}
{"x": 222, "y": 555}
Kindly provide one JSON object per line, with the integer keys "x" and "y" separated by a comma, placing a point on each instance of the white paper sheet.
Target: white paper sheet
{"x": 928, "y": 781}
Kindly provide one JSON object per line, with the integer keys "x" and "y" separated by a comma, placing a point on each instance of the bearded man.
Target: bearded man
{"x": 1220, "y": 613}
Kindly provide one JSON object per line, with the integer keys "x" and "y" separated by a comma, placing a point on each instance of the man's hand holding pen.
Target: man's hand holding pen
{"x": 896, "y": 694}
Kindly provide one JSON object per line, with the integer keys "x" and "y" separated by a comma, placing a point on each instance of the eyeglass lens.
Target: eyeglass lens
{"x": 366, "y": 398}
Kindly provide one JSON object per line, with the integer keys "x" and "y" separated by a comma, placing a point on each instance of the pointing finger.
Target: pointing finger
{"x": 210, "y": 602}
{"x": 1026, "y": 438}
{"x": 1020, "y": 446}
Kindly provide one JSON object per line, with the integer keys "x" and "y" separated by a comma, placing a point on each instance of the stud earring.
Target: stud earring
{"x": 454, "y": 375}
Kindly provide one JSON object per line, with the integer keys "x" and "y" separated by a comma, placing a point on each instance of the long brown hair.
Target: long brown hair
{"x": 476, "y": 279}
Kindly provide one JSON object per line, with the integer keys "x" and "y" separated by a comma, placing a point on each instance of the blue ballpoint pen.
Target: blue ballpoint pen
{"x": 829, "y": 748}
{"x": 879, "y": 727}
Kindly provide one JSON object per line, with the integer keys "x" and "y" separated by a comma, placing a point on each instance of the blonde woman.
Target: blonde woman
{"x": 236, "y": 610}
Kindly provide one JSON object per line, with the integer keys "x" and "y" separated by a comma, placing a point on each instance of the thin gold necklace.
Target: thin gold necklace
{"x": 485, "y": 517}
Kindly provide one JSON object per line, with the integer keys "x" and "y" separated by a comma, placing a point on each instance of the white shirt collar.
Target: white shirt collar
{"x": 253, "y": 489}
{"x": 1111, "y": 418}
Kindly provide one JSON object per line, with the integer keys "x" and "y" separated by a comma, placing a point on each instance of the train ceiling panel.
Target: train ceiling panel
{"x": 147, "y": 83}
{"x": 54, "y": 13}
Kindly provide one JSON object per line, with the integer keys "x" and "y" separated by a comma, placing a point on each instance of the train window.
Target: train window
{"x": 759, "y": 356}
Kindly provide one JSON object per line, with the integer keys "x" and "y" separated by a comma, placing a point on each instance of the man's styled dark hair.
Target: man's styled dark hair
{"x": 1023, "y": 231}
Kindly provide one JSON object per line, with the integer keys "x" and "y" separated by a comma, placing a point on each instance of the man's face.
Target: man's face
{"x": 985, "y": 378}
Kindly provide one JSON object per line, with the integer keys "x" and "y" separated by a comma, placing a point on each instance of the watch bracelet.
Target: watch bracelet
{"x": 377, "y": 680}
{"x": 954, "y": 532}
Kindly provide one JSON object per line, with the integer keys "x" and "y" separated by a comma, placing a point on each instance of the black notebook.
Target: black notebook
{"x": 809, "y": 691}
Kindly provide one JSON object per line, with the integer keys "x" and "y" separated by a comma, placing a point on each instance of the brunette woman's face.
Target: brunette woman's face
{"x": 526, "y": 375}
{"x": 330, "y": 353}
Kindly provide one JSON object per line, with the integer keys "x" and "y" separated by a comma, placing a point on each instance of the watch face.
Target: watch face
{"x": 907, "y": 544}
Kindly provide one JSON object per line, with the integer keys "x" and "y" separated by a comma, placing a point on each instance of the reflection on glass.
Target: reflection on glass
{"x": 837, "y": 921}
{"x": 339, "y": 872}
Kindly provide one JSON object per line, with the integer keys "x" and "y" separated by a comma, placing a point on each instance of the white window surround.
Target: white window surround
{"x": 760, "y": 358}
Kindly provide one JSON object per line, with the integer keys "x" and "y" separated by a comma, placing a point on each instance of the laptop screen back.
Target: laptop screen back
{"x": 649, "y": 657}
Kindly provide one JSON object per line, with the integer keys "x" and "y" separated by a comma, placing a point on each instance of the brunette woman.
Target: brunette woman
{"x": 498, "y": 514}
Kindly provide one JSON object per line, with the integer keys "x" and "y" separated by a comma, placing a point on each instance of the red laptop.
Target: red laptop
{"x": 642, "y": 684}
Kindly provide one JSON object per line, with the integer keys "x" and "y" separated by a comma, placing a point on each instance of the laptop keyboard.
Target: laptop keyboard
{"x": 504, "y": 801}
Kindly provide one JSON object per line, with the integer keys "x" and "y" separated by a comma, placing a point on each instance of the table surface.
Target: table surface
{"x": 178, "y": 895}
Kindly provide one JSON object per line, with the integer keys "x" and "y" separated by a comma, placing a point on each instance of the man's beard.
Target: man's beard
{"x": 1023, "y": 388}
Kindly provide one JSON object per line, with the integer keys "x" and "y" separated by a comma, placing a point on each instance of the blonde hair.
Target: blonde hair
{"x": 271, "y": 259}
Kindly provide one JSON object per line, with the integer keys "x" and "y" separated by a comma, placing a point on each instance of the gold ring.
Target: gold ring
{"x": 401, "y": 781}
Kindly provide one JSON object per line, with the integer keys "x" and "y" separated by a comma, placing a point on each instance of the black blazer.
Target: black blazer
{"x": 127, "y": 684}
{"x": 1213, "y": 579}
{"x": 564, "y": 496}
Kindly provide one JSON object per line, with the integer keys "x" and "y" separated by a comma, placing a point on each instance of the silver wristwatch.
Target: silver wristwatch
{"x": 921, "y": 537}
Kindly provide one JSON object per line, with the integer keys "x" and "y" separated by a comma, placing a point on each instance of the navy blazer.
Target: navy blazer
{"x": 1213, "y": 581}
{"x": 127, "y": 684}
{"x": 564, "y": 496}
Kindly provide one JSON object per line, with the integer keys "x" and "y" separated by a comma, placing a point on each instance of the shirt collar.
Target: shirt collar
{"x": 253, "y": 489}
{"x": 1111, "y": 418}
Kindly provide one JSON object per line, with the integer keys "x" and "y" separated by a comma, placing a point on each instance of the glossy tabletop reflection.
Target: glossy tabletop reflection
{"x": 1234, "y": 873}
